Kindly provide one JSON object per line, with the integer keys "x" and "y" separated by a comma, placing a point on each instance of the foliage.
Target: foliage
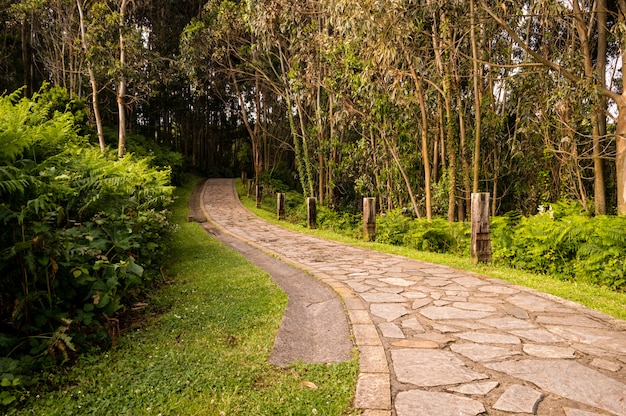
{"x": 437, "y": 235}
{"x": 81, "y": 233}
{"x": 203, "y": 347}
{"x": 157, "y": 156}
{"x": 564, "y": 240}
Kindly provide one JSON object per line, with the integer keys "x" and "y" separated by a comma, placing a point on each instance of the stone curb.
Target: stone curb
{"x": 373, "y": 390}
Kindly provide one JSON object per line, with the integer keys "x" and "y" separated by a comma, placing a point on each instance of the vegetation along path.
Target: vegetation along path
{"x": 437, "y": 341}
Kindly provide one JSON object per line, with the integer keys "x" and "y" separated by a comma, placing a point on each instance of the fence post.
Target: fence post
{"x": 280, "y": 205}
{"x": 481, "y": 230}
{"x": 259, "y": 195}
{"x": 369, "y": 219}
{"x": 311, "y": 212}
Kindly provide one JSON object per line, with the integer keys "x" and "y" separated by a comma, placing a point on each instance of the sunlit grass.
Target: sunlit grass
{"x": 595, "y": 297}
{"x": 205, "y": 350}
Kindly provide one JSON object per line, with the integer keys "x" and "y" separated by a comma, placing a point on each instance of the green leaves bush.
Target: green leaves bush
{"x": 81, "y": 232}
{"x": 397, "y": 228}
{"x": 565, "y": 241}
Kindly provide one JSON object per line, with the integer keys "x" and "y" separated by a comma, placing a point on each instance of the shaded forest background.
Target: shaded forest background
{"x": 418, "y": 103}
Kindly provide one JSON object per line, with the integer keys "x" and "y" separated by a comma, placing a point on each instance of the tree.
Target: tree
{"x": 587, "y": 19}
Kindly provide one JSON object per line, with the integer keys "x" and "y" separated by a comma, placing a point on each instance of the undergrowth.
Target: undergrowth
{"x": 203, "y": 350}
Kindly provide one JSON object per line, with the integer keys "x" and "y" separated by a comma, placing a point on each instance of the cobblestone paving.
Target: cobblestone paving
{"x": 434, "y": 341}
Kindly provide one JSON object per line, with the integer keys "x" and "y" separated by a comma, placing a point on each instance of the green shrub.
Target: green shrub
{"x": 81, "y": 233}
{"x": 565, "y": 241}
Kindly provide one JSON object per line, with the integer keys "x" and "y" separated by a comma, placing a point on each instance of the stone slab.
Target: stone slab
{"x": 382, "y": 298}
{"x": 571, "y": 380}
{"x": 429, "y": 368}
{"x": 413, "y": 324}
{"x": 577, "y": 320}
{"x": 415, "y": 343}
{"x": 470, "y": 281}
{"x": 473, "y": 306}
{"x": 489, "y": 338}
{"x": 606, "y": 364}
{"x": 499, "y": 289}
{"x": 397, "y": 281}
{"x": 476, "y": 389}
{"x": 388, "y": 311}
{"x": 549, "y": 351}
{"x": 372, "y": 359}
{"x": 418, "y": 303}
{"x": 608, "y": 340}
{"x": 508, "y": 322}
{"x": 534, "y": 303}
{"x": 365, "y": 335}
{"x": 428, "y": 403}
{"x": 577, "y": 412}
{"x": 415, "y": 295}
{"x": 450, "y": 312}
{"x": 519, "y": 399}
{"x": 537, "y": 335}
{"x": 483, "y": 353}
{"x": 373, "y": 391}
{"x": 390, "y": 330}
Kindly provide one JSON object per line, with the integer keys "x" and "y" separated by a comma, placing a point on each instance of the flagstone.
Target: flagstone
{"x": 429, "y": 403}
{"x": 571, "y": 380}
{"x": 519, "y": 399}
{"x": 483, "y": 353}
{"x": 429, "y": 368}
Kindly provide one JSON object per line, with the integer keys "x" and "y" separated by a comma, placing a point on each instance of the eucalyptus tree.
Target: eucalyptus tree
{"x": 570, "y": 39}
{"x": 394, "y": 57}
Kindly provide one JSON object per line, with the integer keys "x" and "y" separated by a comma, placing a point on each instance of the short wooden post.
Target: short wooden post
{"x": 311, "y": 212}
{"x": 244, "y": 176}
{"x": 481, "y": 230}
{"x": 280, "y": 205}
{"x": 259, "y": 195}
{"x": 250, "y": 187}
{"x": 369, "y": 219}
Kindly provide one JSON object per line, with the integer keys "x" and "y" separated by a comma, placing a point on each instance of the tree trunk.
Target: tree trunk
{"x": 92, "y": 79}
{"x": 598, "y": 176}
{"x": 477, "y": 100}
{"x": 121, "y": 90}
{"x": 620, "y": 157}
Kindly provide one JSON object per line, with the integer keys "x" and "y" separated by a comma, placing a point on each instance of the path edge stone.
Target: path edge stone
{"x": 367, "y": 382}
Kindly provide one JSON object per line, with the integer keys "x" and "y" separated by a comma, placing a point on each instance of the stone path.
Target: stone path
{"x": 434, "y": 341}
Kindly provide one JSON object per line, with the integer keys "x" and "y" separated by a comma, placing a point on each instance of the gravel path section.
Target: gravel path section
{"x": 435, "y": 341}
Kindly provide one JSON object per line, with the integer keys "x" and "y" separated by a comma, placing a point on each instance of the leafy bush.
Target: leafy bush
{"x": 565, "y": 241}
{"x": 436, "y": 235}
{"x": 81, "y": 233}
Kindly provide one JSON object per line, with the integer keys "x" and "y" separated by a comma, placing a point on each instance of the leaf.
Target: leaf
{"x": 309, "y": 385}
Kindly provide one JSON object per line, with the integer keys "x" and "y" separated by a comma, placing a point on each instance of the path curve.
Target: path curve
{"x": 433, "y": 340}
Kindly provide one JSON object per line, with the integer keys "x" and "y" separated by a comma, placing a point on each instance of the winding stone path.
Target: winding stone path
{"x": 435, "y": 341}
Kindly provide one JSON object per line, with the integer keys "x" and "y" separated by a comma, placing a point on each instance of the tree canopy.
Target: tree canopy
{"x": 418, "y": 103}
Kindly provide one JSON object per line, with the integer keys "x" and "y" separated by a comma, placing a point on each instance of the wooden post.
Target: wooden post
{"x": 280, "y": 206}
{"x": 311, "y": 212}
{"x": 250, "y": 187}
{"x": 369, "y": 219}
{"x": 244, "y": 176}
{"x": 481, "y": 231}
{"x": 259, "y": 195}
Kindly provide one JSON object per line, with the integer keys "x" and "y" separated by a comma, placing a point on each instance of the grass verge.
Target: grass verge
{"x": 598, "y": 298}
{"x": 206, "y": 354}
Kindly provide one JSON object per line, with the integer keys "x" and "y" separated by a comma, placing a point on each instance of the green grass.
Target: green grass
{"x": 595, "y": 297}
{"x": 205, "y": 350}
